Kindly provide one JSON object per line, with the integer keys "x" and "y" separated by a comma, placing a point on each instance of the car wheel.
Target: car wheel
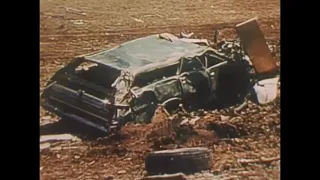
{"x": 185, "y": 160}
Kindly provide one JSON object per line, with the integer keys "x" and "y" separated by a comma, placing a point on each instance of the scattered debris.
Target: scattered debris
{"x": 224, "y": 118}
{"x": 122, "y": 172}
{"x": 184, "y": 122}
{"x": 75, "y": 11}
{"x": 183, "y": 35}
{"x": 261, "y": 160}
{"x": 241, "y": 107}
{"x": 68, "y": 148}
{"x": 151, "y": 15}
{"x": 77, "y": 22}
{"x": 57, "y": 137}
{"x": 194, "y": 120}
{"x": 138, "y": 20}
{"x": 177, "y": 176}
{"x": 53, "y": 15}
{"x": 230, "y": 178}
{"x": 92, "y": 162}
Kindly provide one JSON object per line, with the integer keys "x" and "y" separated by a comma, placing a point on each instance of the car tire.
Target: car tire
{"x": 185, "y": 160}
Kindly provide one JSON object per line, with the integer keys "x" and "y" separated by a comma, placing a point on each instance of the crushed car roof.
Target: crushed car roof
{"x": 144, "y": 51}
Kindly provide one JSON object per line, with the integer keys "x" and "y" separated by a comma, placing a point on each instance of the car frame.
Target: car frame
{"x": 127, "y": 83}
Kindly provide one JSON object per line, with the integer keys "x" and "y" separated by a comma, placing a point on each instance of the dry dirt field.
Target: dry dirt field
{"x": 73, "y": 27}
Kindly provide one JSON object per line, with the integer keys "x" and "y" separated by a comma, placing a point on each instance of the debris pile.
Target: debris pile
{"x": 130, "y": 82}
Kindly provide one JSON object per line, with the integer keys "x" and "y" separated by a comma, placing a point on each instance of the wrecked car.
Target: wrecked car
{"x": 127, "y": 83}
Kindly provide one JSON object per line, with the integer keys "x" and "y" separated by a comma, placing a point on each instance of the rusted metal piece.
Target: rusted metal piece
{"x": 255, "y": 46}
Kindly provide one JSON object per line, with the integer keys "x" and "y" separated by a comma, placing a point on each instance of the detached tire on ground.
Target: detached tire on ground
{"x": 185, "y": 160}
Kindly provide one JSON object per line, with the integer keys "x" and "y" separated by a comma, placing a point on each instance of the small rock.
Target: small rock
{"x": 128, "y": 159}
{"x": 109, "y": 177}
{"x": 77, "y": 157}
{"x": 41, "y": 168}
{"x": 58, "y": 156}
{"x": 91, "y": 162}
{"x": 77, "y": 22}
{"x": 224, "y": 118}
{"x": 122, "y": 172}
{"x": 194, "y": 120}
{"x": 271, "y": 136}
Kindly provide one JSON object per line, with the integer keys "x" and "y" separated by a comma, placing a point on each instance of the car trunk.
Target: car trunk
{"x": 82, "y": 91}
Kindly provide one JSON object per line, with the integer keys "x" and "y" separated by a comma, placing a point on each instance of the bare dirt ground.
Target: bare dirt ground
{"x": 73, "y": 27}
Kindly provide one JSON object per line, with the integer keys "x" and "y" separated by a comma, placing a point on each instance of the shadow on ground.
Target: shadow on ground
{"x": 65, "y": 127}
